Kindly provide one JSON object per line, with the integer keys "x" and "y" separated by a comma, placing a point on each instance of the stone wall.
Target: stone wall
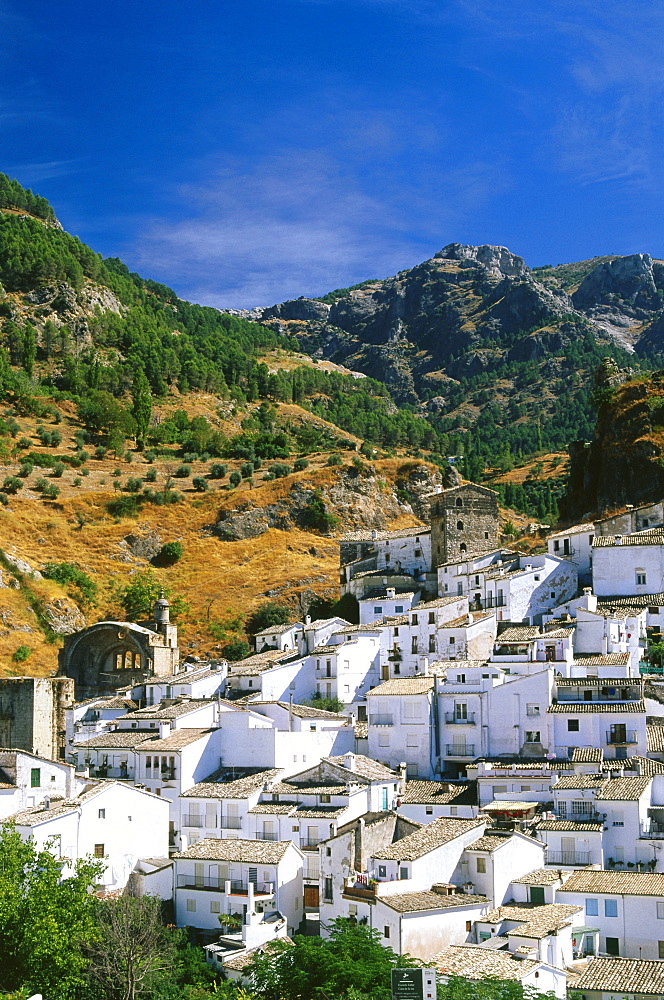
{"x": 32, "y": 714}
{"x": 464, "y": 520}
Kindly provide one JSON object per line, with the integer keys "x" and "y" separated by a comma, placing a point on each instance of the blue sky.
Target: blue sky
{"x": 249, "y": 151}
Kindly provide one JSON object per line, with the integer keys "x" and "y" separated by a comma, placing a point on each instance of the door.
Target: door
{"x": 537, "y": 894}
{"x": 612, "y": 946}
{"x": 311, "y": 897}
{"x": 619, "y": 733}
{"x": 461, "y": 711}
{"x": 568, "y": 848}
{"x": 384, "y": 803}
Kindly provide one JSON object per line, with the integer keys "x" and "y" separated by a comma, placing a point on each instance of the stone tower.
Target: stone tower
{"x": 464, "y": 522}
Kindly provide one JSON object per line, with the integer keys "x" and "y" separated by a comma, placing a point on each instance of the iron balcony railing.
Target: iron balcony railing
{"x": 310, "y": 842}
{"x": 237, "y": 886}
{"x": 451, "y": 719}
{"x": 191, "y": 820}
{"x": 620, "y": 739}
{"x": 459, "y": 750}
{"x": 568, "y": 857}
{"x": 231, "y": 823}
{"x": 267, "y": 835}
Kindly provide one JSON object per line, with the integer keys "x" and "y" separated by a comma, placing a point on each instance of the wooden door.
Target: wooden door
{"x": 311, "y": 897}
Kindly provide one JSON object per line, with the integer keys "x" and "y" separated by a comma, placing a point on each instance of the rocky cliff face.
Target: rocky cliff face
{"x": 473, "y": 309}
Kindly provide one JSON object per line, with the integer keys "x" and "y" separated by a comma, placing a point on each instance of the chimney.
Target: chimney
{"x": 618, "y": 540}
{"x": 47, "y": 802}
{"x": 391, "y": 593}
{"x": 424, "y": 666}
{"x": 349, "y": 761}
{"x": 374, "y": 533}
{"x": 403, "y": 771}
{"x": 307, "y": 619}
{"x": 469, "y": 619}
{"x": 605, "y": 645}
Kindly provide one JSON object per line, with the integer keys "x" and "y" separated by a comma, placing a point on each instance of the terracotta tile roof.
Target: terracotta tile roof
{"x": 568, "y": 825}
{"x": 252, "y": 851}
{"x": 587, "y": 755}
{"x": 647, "y": 764}
{"x": 654, "y": 536}
{"x": 655, "y": 738}
{"x": 178, "y": 739}
{"x": 601, "y": 660}
{"x": 593, "y": 682}
{"x": 439, "y": 793}
{"x": 618, "y": 883}
{"x": 610, "y": 707}
{"x": 287, "y": 787}
{"x": 123, "y": 739}
{"x": 625, "y": 789}
{"x": 474, "y": 962}
{"x": 238, "y": 789}
{"x": 367, "y": 536}
{"x": 635, "y": 602}
{"x": 440, "y": 602}
{"x": 428, "y": 899}
{"x": 367, "y": 768}
{"x": 258, "y": 663}
{"x": 489, "y": 843}
{"x": 519, "y": 633}
{"x": 167, "y": 712}
{"x": 536, "y": 921}
{"x": 279, "y": 629}
{"x": 427, "y": 839}
{"x": 623, "y": 975}
{"x": 361, "y": 730}
{"x": 319, "y": 812}
{"x": 509, "y": 805}
{"x": 567, "y": 781}
{"x": 273, "y": 809}
{"x": 302, "y": 711}
{"x": 403, "y": 685}
{"x": 541, "y": 876}
{"x": 240, "y": 962}
{"x": 584, "y": 527}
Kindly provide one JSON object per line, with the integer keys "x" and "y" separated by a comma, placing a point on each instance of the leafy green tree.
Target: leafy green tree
{"x": 170, "y": 553}
{"x": 45, "y": 920}
{"x": 141, "y": 405}
{"x": 351, "y": 964}
{"x": 266, "y": 615}
{"x": 137, "y": 598}
{"x": 237, "y": 649}
{"x": 102, "y": 413}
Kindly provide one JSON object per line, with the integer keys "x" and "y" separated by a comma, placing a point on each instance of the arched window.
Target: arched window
{"x": 459, "y": 502}
{"x": 459, "y": 525}
{"x": 462, "y": 547}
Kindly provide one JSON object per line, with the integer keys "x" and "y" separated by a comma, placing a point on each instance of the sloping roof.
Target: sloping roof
{"x": 653, "y": 536}
{"x": 428, "y": 899}
{"x": 536, "y": 921}
{"x": 279, "y": 629}
{"x": 178, "y": 739}
{"x": 302, "y": 711}
{"x": 426, "y": 839}
{"x": 587, "y": 755}
{"x": 594, "y": 682}
{"x": 259, "y": 663}
{"x": 489, "y": 843}
{"x": 519, "y": 633}
{"x": 421, "y": 684}
{"x": 366, "y": 767}
{"x": 607, "y": 707}
{"x": 122, "y": 739}
{"x": 623, "y": 975}
{"x": 252, "y": 851}
{"x": 574, "y": 781}
{"x": 168, "y": 711}
{"x": 585, "y": 526}
{"x": 655, "y": 738}
{"x": 569, "y": 826}
{"x": 540, "y": 876}
{"x": 440, "y": 793}
{"x": 474, "y": 962}
{"x": 618, "y": 883}
{"x": 601, "y": 660}
{"x": 238, "y": 789}
{"x": 625, "y": 789}
{"x": 368, "y": 535}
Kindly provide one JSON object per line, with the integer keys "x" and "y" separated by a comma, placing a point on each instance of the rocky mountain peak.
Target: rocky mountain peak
{"x": 500, "y": 260}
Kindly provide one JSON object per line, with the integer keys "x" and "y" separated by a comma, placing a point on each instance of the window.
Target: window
{"x": 101, "y": 814}
{"x": 191, "y": 906}
{"x": 432, "y": 618}
{"x": 610, "y": 907}
{"x": 403, "y": 873}
{"x": 352, "y": 910}
{"x": 35, "y": 777}
{"x": 378, "y": 611}
{"x": 498, "y": 789}
{"x": 469, "y": 925}
{"x": 429, "y": 812}
{"x": 461, "y": 678}
{"x": 592, "y": 909}
{"x": 612, "y": 946}
{"x": 214, "y": 906}
{"x": 383, "y": 739}
{"x": 432, "y": 643}
{"x": 99, "y": 850}
{"x": 525, "y": 788}
{"x": 386, "y": 931}
{"x": 413, "y": 645}
{"x": 481, "y": 866}
{"x": 556, "y": 546}
{"x": 412, "y": 740}
{"x": 453, "y": 810}
{"x": 536, "y": 894}
{"x": 382, "y": 871}
{"x": 452, "y": 640}
{"x": 660, "y": 949}
{"x": 533, "y": 736}
{"x": 398, "y": 608}
{"x": 640, "y": 578}
{"x": 413, "y": 620}
{"x": 459, "y": 525}
{"x": 459, "y": 502}
{"x": 660, "y": 911}
{"x": 572, "y": 725}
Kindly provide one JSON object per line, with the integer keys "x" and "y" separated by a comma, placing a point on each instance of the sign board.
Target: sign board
{"x": 413, "y": 984}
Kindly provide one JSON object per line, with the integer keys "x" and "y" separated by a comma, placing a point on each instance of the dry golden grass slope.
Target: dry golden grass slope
{"x": 220, "y": 580}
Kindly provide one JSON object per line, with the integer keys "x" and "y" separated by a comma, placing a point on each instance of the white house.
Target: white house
{"x": 475, "y": 962}
{"x": 279, "y": 637}
{"x": 546, "y": 932}
{"x": 109, "y": 820}
{"x": 627, "y": 908}
{"x": 219, "y": 808}
{"x": 26, "y": 780}
{"x": 575, "y": 544}
{"x": 629, "y": 564}
{"x": 491, "y": 862}
{"x": 630, "y": 979}
{"x": 422, "y": 923}
{"x": 247, "y": 878}
{"x": 424, "y": 801}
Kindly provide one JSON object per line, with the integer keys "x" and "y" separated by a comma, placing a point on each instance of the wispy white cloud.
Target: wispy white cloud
{"x": 35, "y": 173}
{"x": 298, "y": 224}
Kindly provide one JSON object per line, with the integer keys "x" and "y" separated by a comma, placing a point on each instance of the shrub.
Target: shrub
{"x": 58, "y": 469}
{"x": 150, "y": 456}
{"x": 12, "y": 484}
{"x": 300, "y": 464}
{"x": 316, "y": 515}
{"x": 268, "y": 477}
{"x": 50, "y": 439}
{"x": 334, "y": 459}
{"x": 150, "y": 476}
{"x": 51, "y": 491}
{"x": 191, "y": 456}
{"x": 85, "y": 472}
{"x": 235, "y": 479}
{"x": 279, "y": 470}
{"x": 100, "y": 451}
{"x": 69, "y": 573}
{"x": 170, "y": 553}
{"x": 133, "y": 484}
{"x": 246, "y": 469}
{"x": 238, "y": 649}
{"x": 117, "y": 472}
{"x": 25, "y": 470}
{"x": 183, "y": 471}
{"x": 4, "y": 499}
{"x": 41, "y": 484}
{"x": 77, "y": 481}
{"x": 266, "y": 615}
{"x": 200, "y": 483}
{"x": 83, "y": 455}
{"x": 21, "y": 654}
{"x": 217, "y": 470}
{"x": 24, "y": 443}
{"x": 123, "y": 506}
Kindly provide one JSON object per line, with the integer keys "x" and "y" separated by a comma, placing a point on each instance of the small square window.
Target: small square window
{"x": 215, "y": 907}
{"x": 429, "y": 810}
{"x": 191, "y": 906}
{"x": 382, "y": 871}
{"x": 610, "y": 907}
{"x": 592, "y": 910}
{"x": 99, "y": 850}
{"x": 572, "y": 725}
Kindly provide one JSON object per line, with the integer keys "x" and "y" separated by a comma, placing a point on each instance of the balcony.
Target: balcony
{"x": 267, "y": 835}
{"x": 191, "y": 820}
{"x": 231, "y": 823}
{"x": 311, "y": 843}
{"x": 451, "y": 719}
{"x": 653, "y": 831}
{"x": 363, "y": 892}
{"x": 459, "y": 750}
{"x": 395, "y": 656}
{"x": 621, "y": 739}
{"x": 237, "y": 887}
{"x": 568, "y": 857}
{"x": 587, "y": 817}
{"x": 381, "y": 720}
